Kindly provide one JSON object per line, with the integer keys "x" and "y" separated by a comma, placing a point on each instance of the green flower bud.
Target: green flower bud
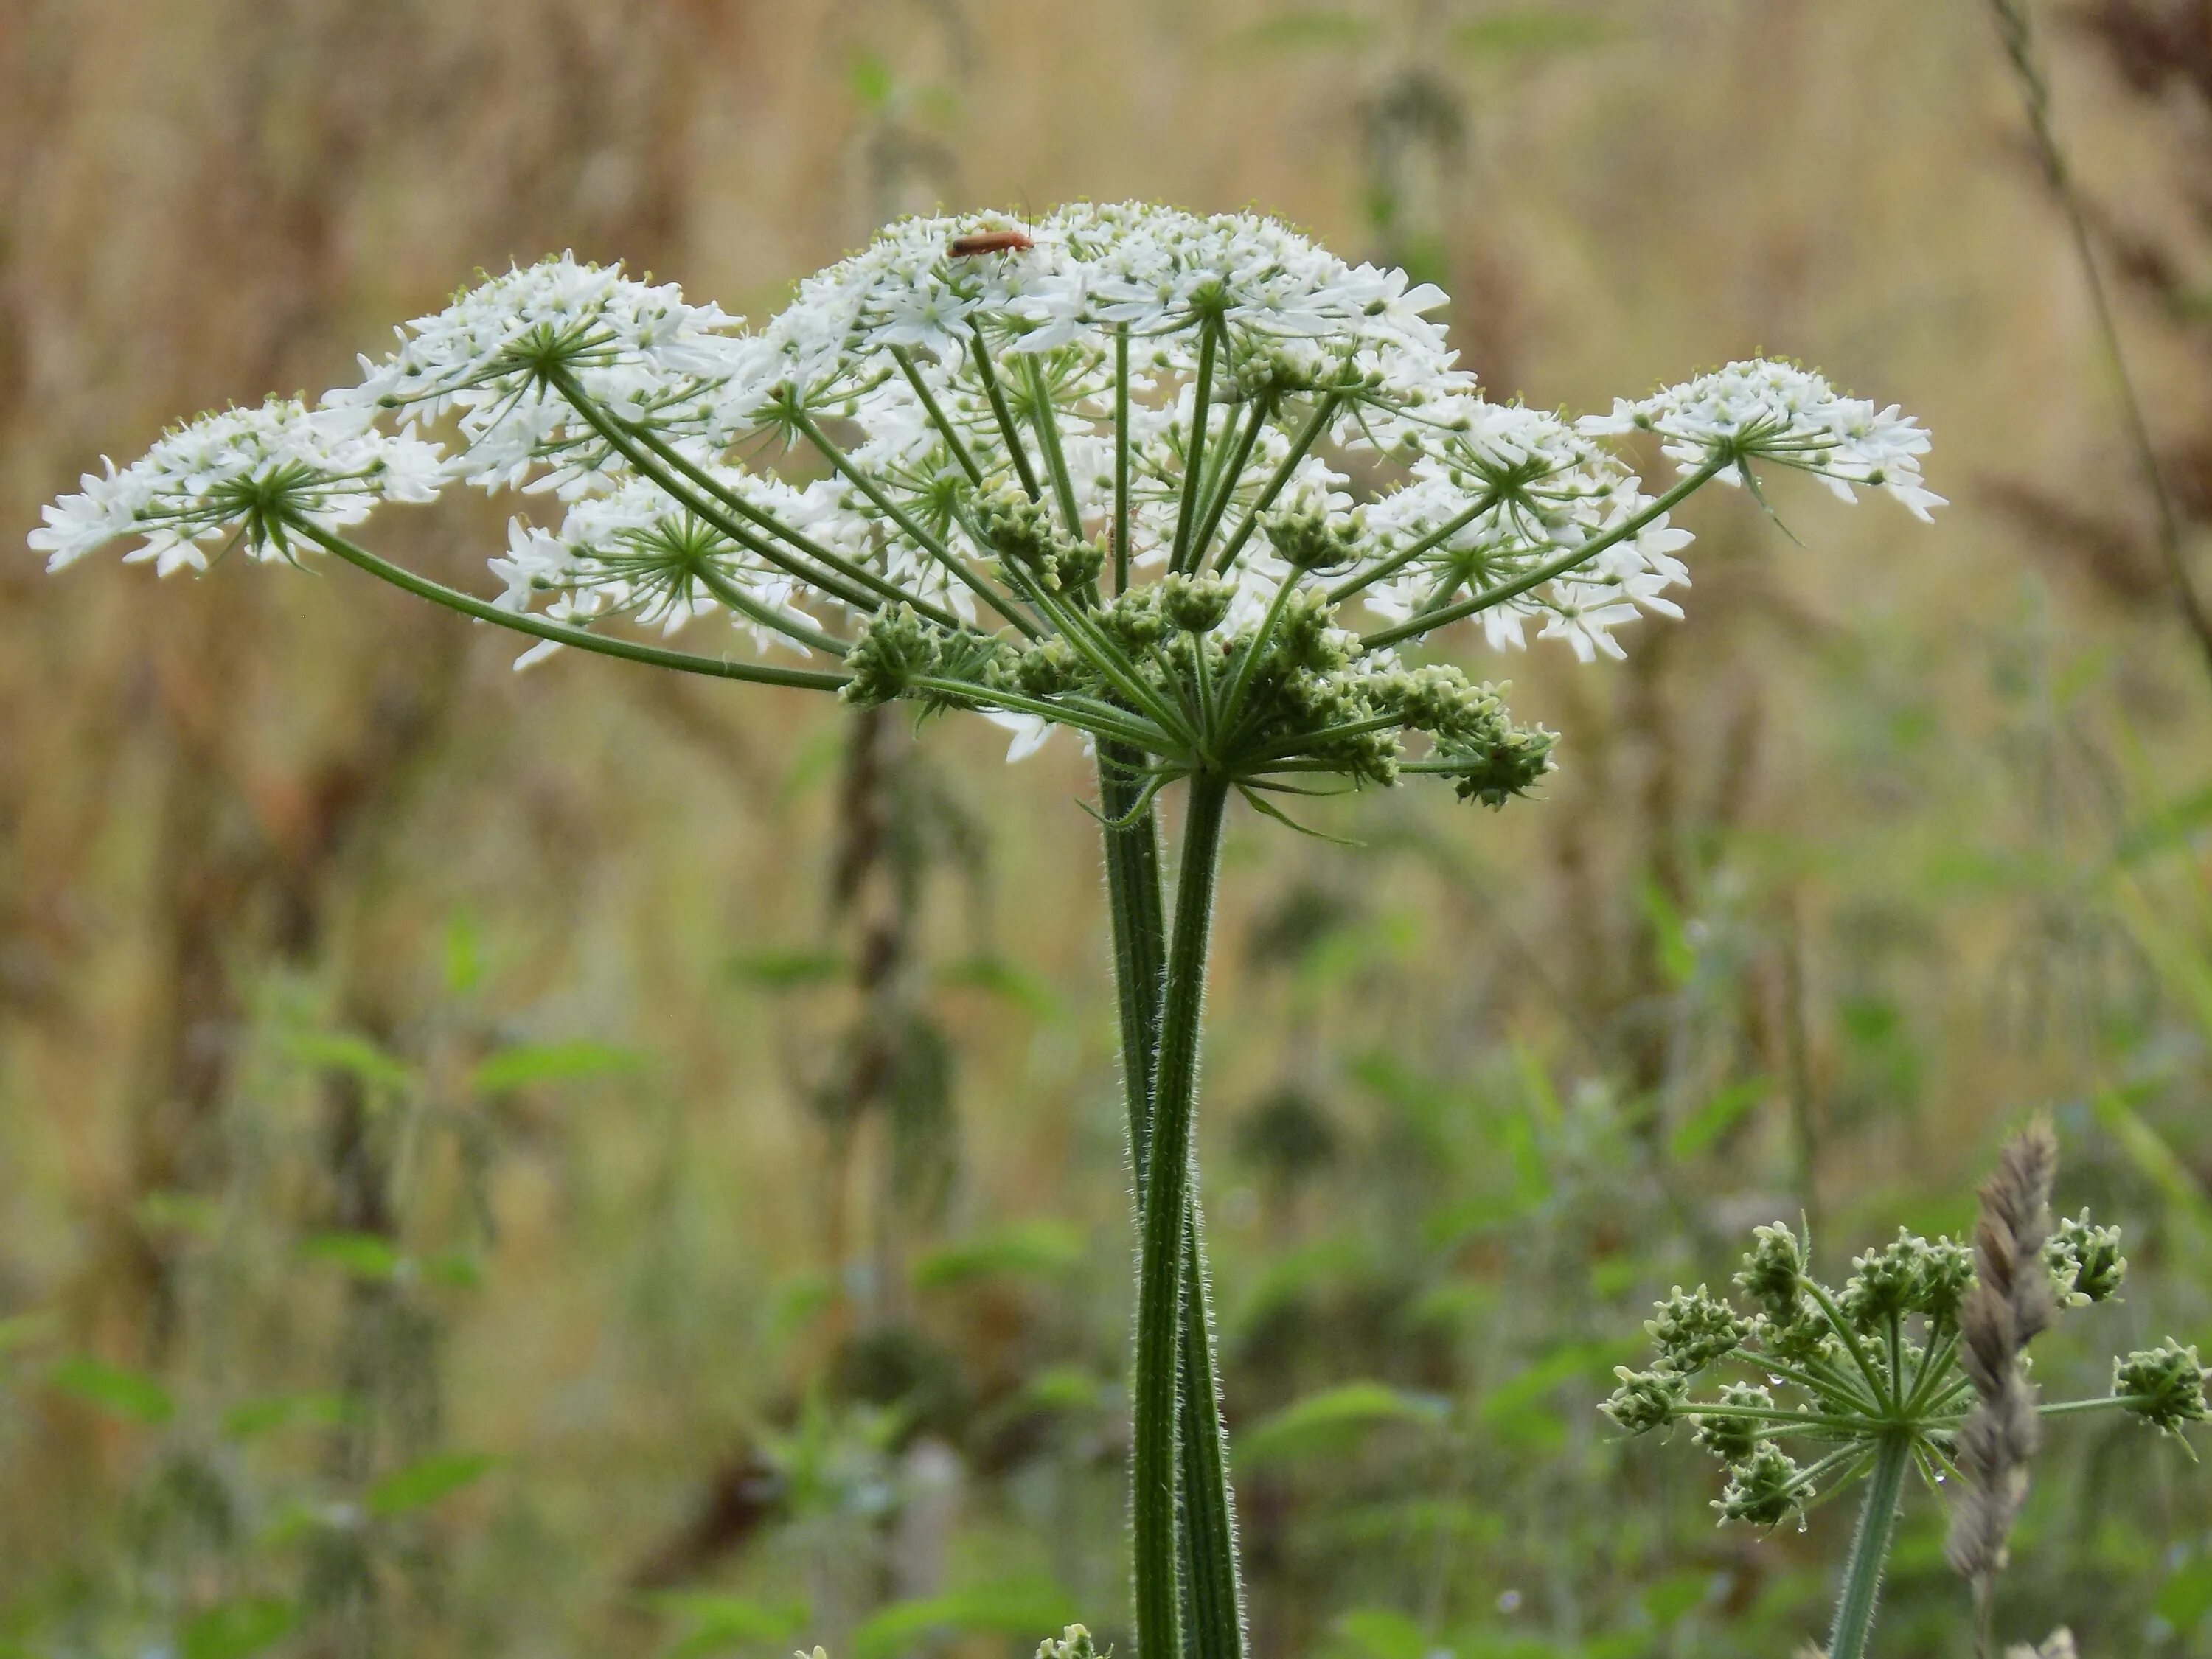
{"x": 1015, "y": 527}
{"x": 1694, "y": 1329}
{"x": 1133, "y": 620}
{"x": 1645, "y": 1400}
{"x": 892, "y": 648}
{"x": 1771, "y": 1270}
{"x": 1733, "y": 1439}
{"x": 2085, "y": 1262}
{"x": 2166, "y": 1383}
{"x": 1802, "y": 1337}
{"x": 1947, "y": 1271}
{"x": 1074, "y": 1642}
{"x": 1049, "y": 667}
{"x": 1888, "y": 1282}
{"x": 1761, "y": 1489}
{"x": 1306, "y": 537}
{"x": 1194, "y": 604}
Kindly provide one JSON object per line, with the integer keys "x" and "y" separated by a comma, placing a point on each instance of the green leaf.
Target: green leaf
{"x": 1670, "y": 935}
{"x": 870, "y": 77}
{"x": 458, "y": 1268}
{"x": 464, "y": 955}
{"x": 1567, "y": 1363}
{"x": 786, "y": 971}
{"x": 1680, "y": 1593}
{"x": 2189, "y": 1208}
{"x": 714, "y": 1621}
{"x": 1040, "y": 1248}
{"x": 181, "y": 1212}
{"x": 365, "y": 1255}
{"x": 113, "y": 1388}
{"x": 1025, "y": 990}
{"x": 1695, "y": 1132}
{"x": 237, "y": 1630}
{"x": 1023, "y": 1609}
{"x": 2185, "y": 1599}
{"x": 1308, "y": 29}
{"x": 1532, "y": 29}
{"x": 529, "y": 1063}
{"x": 1379, "y": 1633}
{"x": 22, "y": 1330}
{"x": 355, "y": 1056}
{"x": 254, "y": 1417}
{"x": 422, "y": 1484}
{"x": 1333, "y": 1419}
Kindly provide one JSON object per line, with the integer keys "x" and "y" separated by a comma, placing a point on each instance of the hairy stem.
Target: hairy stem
{"x": 1854, "y": 1606}
{"x": 1166, "y": 1224}
{"x": 538, "y": 627}
{"x": 1212, "y": 1596}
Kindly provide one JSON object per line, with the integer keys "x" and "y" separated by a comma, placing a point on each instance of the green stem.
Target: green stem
{"x": 1226, "y": 475}
{"x": 1166, "y": 1225}
{"x": 1005, "y": 416}
{"x": 1193, "y": 455}
{"x": 522, "y": 622}
{"x": 1056, "y": 459}
{"x": 1854, "y": 1606}
{"x": 851, "y": 582}
{"x": 1850, "y": 1338}
{"x": 929, "y": 403}
{"x": 1212, "y": 1594}
{"x": 1121, "y": 458}
{"x": 1360, "y": 580}
{"x": 930, "y": 544}
{"x": 788, "y": 624}
{"x": 1309, "y": 434}
{"x": 1543, "y": 573}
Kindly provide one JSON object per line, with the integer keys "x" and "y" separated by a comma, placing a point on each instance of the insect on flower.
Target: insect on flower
{"x": 989, "y": 241}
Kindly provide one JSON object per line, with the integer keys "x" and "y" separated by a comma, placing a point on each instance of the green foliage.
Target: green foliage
{"x": 1014, "y": 1608}
{"x": 1333, "y": 1421}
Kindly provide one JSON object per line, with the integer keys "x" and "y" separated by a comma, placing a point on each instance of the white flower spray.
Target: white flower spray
{"x": 1187, "y": 485}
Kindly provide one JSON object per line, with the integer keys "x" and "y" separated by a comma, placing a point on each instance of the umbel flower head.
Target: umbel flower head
{"x": 1187, "y": 485}
{"x": 1894, "y": 1354}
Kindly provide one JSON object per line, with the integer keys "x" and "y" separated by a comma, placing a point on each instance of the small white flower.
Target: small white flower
{"x": 254, "y": 475}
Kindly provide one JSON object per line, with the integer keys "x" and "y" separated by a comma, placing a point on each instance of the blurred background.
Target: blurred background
{"x": 590, "y": 1163}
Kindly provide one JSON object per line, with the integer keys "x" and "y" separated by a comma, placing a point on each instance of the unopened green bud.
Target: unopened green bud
{"x": 1194, "y": 604}
{"x": 1762, "y": 1489}
{"x": 1732, "y": 1439}
{"x": 2164, "y": 1386}
{"x": 1645, "y": 1400}
{"x": 1074, "y": 1642}
{"x": 1302, "y": 532}
{"x": 1773, "y": 1269}
{"x": 2085, "y": 1262}
{"x": 1694, "y": 1329}
{"x": 1015, "y": 527}
{"x": 1133, "y": 621}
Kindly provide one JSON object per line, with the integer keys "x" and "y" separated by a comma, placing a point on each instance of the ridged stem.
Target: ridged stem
{"x": 1854, "y": 1606}
{"x": 1166, "y": 1232}
{"x": 1212, "y": 1595}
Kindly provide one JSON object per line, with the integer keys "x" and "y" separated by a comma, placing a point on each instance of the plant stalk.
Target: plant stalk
{"x": 1166, "y": 1232}
{"x": 1213, "y": 1596}
{"x": 1854, "y": 1606}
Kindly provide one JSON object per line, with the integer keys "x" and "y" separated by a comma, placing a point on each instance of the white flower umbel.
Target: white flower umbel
{"x": 1122, "y": 469}
{"x": 1762, "y": 411}
{"x": 246, "y": 475}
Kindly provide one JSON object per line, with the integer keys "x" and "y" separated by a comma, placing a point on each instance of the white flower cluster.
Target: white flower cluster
{"x": 1237, "y": 376}
{"x": 1764, "y": 410}
{"x": 243, "y": 474}
{"x": 637, "y": 349}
